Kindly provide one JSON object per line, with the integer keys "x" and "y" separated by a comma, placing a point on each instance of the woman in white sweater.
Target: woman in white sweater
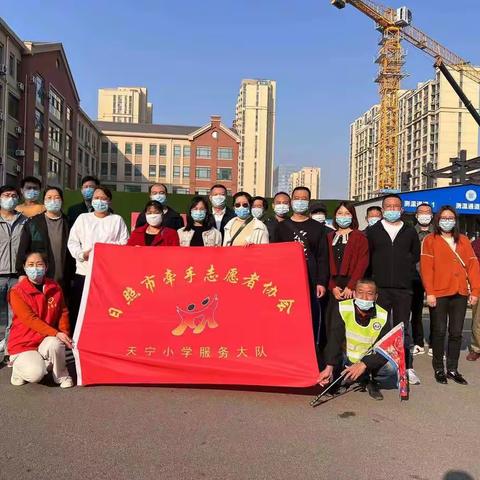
{"x": 99, "y": 226}
{"x": 244, "y": 229}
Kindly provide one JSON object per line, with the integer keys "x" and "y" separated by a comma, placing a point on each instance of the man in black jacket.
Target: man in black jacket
{"x": 394, "y": 253}
{"x": 171, "y": 218}
{"x": 221, "y": 214}
{"x": 89, "y": 184}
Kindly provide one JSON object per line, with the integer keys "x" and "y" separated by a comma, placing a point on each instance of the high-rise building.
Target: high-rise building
{"x": 255, "y": 124}
{"x": 281, "y": 178}
{"x": 186, "y": 159}
{"x": 306, "y": 177}
{"x": 125, "y": 105}
{"x": 434, "y": 126}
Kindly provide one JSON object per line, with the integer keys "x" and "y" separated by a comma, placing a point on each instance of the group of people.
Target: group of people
{"x": 362, "y": 283}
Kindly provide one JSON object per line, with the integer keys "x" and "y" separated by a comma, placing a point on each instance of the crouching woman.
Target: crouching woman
{"x": 40, "y": 327}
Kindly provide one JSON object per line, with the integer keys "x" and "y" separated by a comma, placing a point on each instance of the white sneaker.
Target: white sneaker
{"x": 418, "y": 350}
{"x": 17, "y": 381}
{"x": 412, "y": 377}
{"x": 430, "y": 352}
{"x": 67, "y": 382}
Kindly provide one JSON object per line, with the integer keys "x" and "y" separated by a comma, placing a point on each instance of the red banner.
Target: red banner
{"x": 236, "y": 315}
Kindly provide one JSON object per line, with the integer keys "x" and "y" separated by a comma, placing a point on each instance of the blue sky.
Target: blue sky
{"x": 192, "y": 56}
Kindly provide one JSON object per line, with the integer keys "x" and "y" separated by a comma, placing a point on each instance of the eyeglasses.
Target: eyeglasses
{"x": 238, "y": 205}
{"x": 447, "y": 218}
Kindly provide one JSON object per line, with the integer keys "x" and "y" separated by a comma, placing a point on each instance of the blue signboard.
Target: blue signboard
{"x": 464, "y": 198}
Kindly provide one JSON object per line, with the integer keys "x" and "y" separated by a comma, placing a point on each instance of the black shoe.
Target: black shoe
{"x": 456, "y": 377}
{"x": 440, "y": 377}
{"x": 373, "y": 391}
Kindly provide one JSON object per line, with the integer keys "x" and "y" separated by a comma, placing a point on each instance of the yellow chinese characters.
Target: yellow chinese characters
{"x": 114, "y": 312}
{"x": 223, "y": 352}
{"x": 131, "y": 351}
{"x": 149, "y": 282}
{"x": 211, "y": 275}
{"x": 251, "y": 281}
{"x": 285, "y": 306}
{"x": 260, "y": 351}
{"x": 169, "y": 277}
{"x": 242, "y": 352}
{"x": 232, "y": 276}
{"x": 205, "y": 352}
{"x": 189, "y": 274}
{"x": 269, "y": 289}
{"x": 129, "y": 294}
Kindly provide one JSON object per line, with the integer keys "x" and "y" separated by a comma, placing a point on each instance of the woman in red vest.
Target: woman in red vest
{"x": 40, "y": 327}
{"x": 152, "y": 233}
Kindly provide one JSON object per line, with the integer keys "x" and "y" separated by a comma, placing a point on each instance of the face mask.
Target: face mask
{"x": 424, "y": 219}
{"x": 343, "y": 222}
{"x": 31, "y": 194}
{"x": 53, "y": 205}
{"x": 242, "y": 212}
{"x": 35, "y": 274}
{"x": 154, "y": 219}
{"x": 364, "y": 304}
{"x": 392, "y": 215}
{"x": 257, "y": 212}
{"x": 218, "y": 200}
{"x": 198, "y": 215}
{"x": 281, "y": 209}
{"x": 159, "y": 197}
{"x": 300, "y": 206}
{"x": 319, "y": 217}
{"x": 446, "y": 225}
{"x": 100, "y": 205}
{"x": 9, "y": 203}
{"x": 87, "y": 193}
{"x": 372, "y": 221}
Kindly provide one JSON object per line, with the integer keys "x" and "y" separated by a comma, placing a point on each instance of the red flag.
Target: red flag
{"x": 391, "y": 346}
{"x": 236, "y": 315}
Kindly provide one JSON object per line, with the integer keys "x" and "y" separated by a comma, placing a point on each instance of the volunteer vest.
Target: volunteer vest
{"x": 360, "y": 339}
{"x": 48, "y": 306}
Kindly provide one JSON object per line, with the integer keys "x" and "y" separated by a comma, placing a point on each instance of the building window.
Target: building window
{"x": 162, "y": 150}
{"x": 105, "y": 147}
{"x": 104, "y": 168}
{"x": 55, "y": 137}
{"x": 53, "y": 173}
{"x": 69, "y": 116}
{"x": 39, "y": 89}
{"x": 12, "y": 145}
{"x": 186, "y": 152}
{"x": 162, "y": 171}
{"x": 138, "y": 170}
{"x": 128, "y": 169}
{"x": 138, "y": 149}
{"x": 225, "y": 153}
{"x": 68, "y": 169}
{"x": 13, "y": 106}
{"x": 11, "y": 65}
{"x": 181, "y": 190}
{"x": 113, "y": 169}
{"x": 203, "y": 173}
{"x": 177, "y": 151}
{"x": 37, "y": 156}
{"x": 68, "y": 147}
{"x": 39, "y": 125}
{"x": 176, "y": 171}
{"x": 224, "y": 173}
{"x": 204, "y": 152}
{"x": 186, "y": 172}
{"x": 153, "y": 150}
{"x": 152, "y": 170}
{"x": 128, "y": 149}
{"x": 133, "y": 188}
{"x": 55, "y": 105}
{"x": 80, "y": 156}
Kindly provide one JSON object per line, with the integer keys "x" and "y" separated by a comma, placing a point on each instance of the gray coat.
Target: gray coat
{"x": 9, "y": 242}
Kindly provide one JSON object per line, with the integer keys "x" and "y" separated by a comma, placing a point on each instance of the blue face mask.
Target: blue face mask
{"x": 281, "y": 209}
{"x": 446, "y": 225}
{"x": 9, "y": 203}
{"x": 100, "y": 205}
{"x": 31, "y": 194}
{"x": 392, "y": 215}
{"x": 242, "y": 212}
{"x": 198, "y": 215}
{"x": 300, "y": 206}
{"x": 343, "y": 221}
{"x": 159, "y": 197}
{"x": 53, "y": 205}
{"x": 373, "y": 220}
{"x": 87, "y": 193}
{"x": 35, "y": 274}
{"x": 364, "y": 305}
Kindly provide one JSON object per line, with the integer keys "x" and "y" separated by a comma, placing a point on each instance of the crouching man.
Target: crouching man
{"x": 356, "y": 326}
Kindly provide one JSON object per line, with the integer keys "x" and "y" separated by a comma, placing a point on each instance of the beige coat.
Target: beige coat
{"x": 211, "y": 238}
{"x": 258, "y": 235}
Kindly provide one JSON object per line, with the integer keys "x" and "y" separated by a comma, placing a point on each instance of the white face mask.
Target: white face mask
{"x": 154, "y": 219}
{"x": 424, "y": 219}
{"x": 319, "y": 217}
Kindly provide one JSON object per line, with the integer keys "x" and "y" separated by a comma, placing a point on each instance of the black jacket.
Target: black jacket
{"x": 392, "y": 264}
{"x": 229, "y": 214}
{"x": 75, "y": 211}
{"x": 171, "y": 219}
{"x": 35, "y": 239}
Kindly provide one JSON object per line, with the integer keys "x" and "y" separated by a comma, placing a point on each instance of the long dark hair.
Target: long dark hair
{"x": 195, "y": 201}
{"x": 349, "y": 206}
{"x": 436, "y": 222}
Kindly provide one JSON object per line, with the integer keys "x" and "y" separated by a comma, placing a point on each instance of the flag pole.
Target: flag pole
{"x": 316, "y": 401}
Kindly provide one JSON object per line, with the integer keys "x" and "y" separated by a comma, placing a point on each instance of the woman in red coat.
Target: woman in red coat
{"x": 152, "y": 233}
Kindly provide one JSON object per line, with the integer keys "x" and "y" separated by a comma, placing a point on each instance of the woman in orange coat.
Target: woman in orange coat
{"x": 451, "y": 276}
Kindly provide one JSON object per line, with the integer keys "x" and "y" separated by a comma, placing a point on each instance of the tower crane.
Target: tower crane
{"x": 395, "y": 25}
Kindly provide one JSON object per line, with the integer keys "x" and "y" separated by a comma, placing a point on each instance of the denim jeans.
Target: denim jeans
{"x": 386, "y": 376}
{"x": 6, "y": 283}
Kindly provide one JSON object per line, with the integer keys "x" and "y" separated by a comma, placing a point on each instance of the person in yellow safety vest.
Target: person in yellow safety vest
{"x": 356, "y": 326}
